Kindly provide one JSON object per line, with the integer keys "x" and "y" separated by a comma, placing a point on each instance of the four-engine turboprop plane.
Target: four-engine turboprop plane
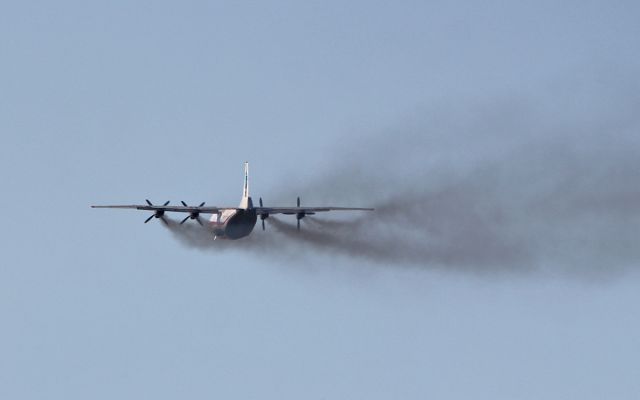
{"x": 232, "y": 222}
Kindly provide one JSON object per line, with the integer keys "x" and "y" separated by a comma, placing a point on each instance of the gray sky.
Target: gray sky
{"x": 117, "y": 102}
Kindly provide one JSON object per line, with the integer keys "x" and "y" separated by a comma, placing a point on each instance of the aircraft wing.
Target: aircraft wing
{"x": 167, "y": 208}
{"x": 304, "y": 210}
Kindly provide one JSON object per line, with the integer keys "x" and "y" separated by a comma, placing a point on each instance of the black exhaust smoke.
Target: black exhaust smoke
{"x": 503, "y": 187}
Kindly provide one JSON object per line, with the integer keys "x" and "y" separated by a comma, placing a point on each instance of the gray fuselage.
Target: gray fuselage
{"x": 237, "y": 226}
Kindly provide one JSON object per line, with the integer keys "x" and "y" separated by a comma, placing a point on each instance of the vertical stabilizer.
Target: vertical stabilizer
{"x": 246, "y": 199}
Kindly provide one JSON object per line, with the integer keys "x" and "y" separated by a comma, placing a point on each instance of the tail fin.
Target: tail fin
{"x": 246, "y": 199}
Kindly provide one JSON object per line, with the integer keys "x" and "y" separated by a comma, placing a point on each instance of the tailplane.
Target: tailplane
{"x": 246, "y": 199}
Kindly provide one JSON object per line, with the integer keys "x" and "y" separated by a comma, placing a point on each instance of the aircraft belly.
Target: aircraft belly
{"x": 241, "y": 224}
{"x": 234, "y": 226}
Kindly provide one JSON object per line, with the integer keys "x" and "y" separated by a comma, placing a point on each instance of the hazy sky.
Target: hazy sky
{"x": 115, "y": 102}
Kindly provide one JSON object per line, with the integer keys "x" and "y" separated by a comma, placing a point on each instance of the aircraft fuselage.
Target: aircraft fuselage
{"x": 233, "y": 224}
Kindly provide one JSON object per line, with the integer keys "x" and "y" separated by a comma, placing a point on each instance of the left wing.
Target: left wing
{"x": 168, "y": 208}
{"x": 158, "y": 211}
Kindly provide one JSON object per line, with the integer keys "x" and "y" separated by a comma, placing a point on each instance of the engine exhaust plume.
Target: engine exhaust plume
{"x": 508, "y": 188}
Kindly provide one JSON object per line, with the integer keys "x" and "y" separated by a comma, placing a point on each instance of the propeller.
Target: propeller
{"x": 193, "y": 215}
{"x": 157, "y": 213}
{"x": 263, "y": 216}
{"x": 299, "y": 215}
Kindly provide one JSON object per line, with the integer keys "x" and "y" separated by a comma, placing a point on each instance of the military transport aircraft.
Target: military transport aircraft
{"x": 232, "y": 222}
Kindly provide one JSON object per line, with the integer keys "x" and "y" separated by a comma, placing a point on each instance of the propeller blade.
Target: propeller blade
{"x": 184, "y": 220}
{"x": 149, "y": 219}
{"x": 184, "y": 204}
{"x": 167, "y": 203}
{"x": 200, "y": 222}
{"x": 148, "y": 202}
{"x": 298, "y": 201}
{"x": 263, "y": 224}
{"x": 298, "y": 224}
{"x": 202, "y": 204}
{"x": 260, "y": 201}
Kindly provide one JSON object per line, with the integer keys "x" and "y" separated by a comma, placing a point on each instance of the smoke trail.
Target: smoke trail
{"x": 565, "y": 198}
{"x": 506, "y": 189}
{"x": 200, "y": 237}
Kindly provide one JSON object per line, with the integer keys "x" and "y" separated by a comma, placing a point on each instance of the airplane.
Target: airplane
{"x": 232, "y": 222}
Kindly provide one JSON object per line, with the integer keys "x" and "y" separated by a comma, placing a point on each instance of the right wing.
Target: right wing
{"x": 304, "y": 210}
